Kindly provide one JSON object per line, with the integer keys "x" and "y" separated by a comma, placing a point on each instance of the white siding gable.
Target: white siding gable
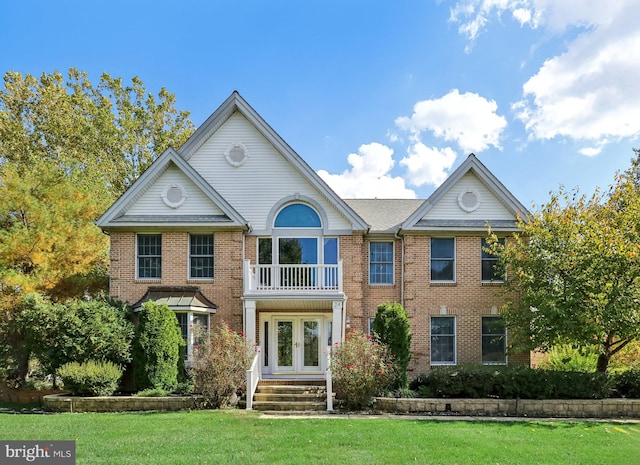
{"x": 262, "y": 181}
{"x": 152, "y": 203}
{"x": 448, "y": 207}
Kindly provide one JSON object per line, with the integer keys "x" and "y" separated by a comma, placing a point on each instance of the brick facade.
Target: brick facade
{"x": 468, "y": 299}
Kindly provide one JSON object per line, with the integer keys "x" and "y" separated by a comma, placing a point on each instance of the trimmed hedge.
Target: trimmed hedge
{"x": 511, "y": 382}
{"x": 92, "y": 378}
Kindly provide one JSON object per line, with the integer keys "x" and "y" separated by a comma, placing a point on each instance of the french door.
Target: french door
{"x": 297, "y": 344}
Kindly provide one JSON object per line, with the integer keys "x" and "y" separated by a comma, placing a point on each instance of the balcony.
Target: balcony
{"x": 292, "y": 279}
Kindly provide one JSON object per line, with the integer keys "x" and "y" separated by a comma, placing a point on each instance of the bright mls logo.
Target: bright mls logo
{"x": 38, "y": 452}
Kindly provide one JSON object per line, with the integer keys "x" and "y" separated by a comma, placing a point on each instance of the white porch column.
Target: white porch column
{"x": 249, "y": 321}
{"x": 337, "y": 332}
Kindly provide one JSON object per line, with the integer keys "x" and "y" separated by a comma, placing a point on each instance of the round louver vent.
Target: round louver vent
{"x": 174, "y": 195}
{"x": 469, "y": 200}
{"x": 236, "y": 154}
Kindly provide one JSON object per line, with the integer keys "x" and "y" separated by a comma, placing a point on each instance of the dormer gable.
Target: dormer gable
{"x": 170, "y": 193}
{"x": 470, "y": 199}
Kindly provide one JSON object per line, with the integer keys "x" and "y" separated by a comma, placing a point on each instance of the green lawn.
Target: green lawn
{"x": 240, "y": 437}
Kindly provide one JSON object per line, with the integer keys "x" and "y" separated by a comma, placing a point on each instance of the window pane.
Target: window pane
{"x": 489, "y": 262}
{"x": 299, "y": 250}
{"x": 331, "y": 250}
{"x": 443, "y": 340}
{"x": 297, "y": 215}
{"x": 442, "y": 247}
{"x": 149, "y": 255}
{"x": 493, "y": 340}
{"x": 201, "y": 255}
{"x": 442, "y": 259}
{"x": 381, "y": 262}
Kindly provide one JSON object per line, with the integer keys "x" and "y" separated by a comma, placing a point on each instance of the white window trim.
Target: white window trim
{"x": 137, "y": 264}
{"x": 393, "y": 264}
{"x": 455, "y": 342}
{"x": 455, "y": 264}
{"x": 198, "y": 279}
{"x": 506, "y": 356}
{"x": 489, "y": 281}
{"x": 190, "y": 333}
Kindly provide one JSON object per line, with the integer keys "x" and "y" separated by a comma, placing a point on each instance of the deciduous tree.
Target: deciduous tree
{"x": 574, "y": 272}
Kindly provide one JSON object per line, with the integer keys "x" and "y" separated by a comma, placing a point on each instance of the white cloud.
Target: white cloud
{"x": 467, "y": 119}
{"x": 428, "y": 165}
{"x": 369, "y": 176}
{"x": 589, "y": 93}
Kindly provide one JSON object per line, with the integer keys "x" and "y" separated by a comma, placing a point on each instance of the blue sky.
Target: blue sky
{"x": 383, "y": 99}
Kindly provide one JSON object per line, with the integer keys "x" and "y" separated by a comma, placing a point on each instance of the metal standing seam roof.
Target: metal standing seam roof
{"x": 177, "y": 297}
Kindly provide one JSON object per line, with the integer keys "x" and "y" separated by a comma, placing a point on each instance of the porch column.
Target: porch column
{"x": 337, "y": 333}
{"x": 249, "y": 321}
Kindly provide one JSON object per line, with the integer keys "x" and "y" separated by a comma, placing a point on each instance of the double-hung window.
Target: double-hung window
{"x": 443, "y": 340}
{"x": 149, "y": 256}
{"x": 201, "y": 256}
{"x": 494, "y": 338}
{"x": 490, "y": 270}
{"x": 443, "y": 259}
{"x": 381, "y": 263}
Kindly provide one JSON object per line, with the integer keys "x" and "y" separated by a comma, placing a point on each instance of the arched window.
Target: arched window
{"x": 297, "y": 215}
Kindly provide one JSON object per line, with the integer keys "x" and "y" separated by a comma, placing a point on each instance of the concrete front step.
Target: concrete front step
{"x": 289, "y": 406}
{"x": 269, "y": 397}
{"x": 294, "y": 395}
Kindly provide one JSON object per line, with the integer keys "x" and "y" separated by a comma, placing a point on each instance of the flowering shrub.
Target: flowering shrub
{"x": 362, "y": 368}
{"x": 219, "y": 365}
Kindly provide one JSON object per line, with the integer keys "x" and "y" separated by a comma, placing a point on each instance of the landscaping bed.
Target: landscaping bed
{"x": 78, "y": 404}
{"x": 532, "y": 408}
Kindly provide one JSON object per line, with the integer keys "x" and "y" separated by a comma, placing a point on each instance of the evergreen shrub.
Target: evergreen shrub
{"x": 156, "y": 348}
{"x": 92, "y": 378}
{"x": 510, "y": 382}
{"x": 391, "y": 327}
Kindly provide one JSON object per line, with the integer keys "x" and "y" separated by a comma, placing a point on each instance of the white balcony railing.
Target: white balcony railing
{"x": 292, "y": 278}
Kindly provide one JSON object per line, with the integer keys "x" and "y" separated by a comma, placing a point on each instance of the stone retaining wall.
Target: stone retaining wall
{"x": 66, "y": 403}
{"x": 604, "y": 408}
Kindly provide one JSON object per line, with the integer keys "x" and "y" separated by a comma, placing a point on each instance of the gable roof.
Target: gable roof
{"x": 235, "y": 103}
{"x": 384, "y": 215}
{"x": 417, "y": 221}
{"x": 116, "y": 215}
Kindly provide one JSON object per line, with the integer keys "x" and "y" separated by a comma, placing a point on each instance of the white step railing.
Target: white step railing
{"x": 313, "y": 277}
{"x": 329, "y": 380}
{"x": 253, "y": 378}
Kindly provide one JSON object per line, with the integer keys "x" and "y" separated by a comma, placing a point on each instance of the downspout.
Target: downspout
{"x": 397, "y": 236}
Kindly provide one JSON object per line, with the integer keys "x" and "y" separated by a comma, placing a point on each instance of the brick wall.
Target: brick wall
{"x": 225, "y": 290}
{"x": 468, "y": 299}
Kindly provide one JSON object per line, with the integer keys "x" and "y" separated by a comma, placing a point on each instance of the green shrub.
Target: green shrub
{"x": 510, "y": 382}
{"x": 362, "y": 368}
{"x": 156, "y": 347}
{"x": 76, "y": 331}
{"x": 391, "y": 327}
{"x": 627, "y": 384}
{"x": 92, "y": 378}
{"x": 566, "y": 358}
{"x": 153, "y": 392}
{"x": 220, "y": 365}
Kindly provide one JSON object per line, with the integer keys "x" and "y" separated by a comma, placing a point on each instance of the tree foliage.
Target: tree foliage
{"x": 76, "y": 331}
{"x": 68, "y": 149}
{"x": 391, "y": 327}
{"x": 574, "y": 272}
